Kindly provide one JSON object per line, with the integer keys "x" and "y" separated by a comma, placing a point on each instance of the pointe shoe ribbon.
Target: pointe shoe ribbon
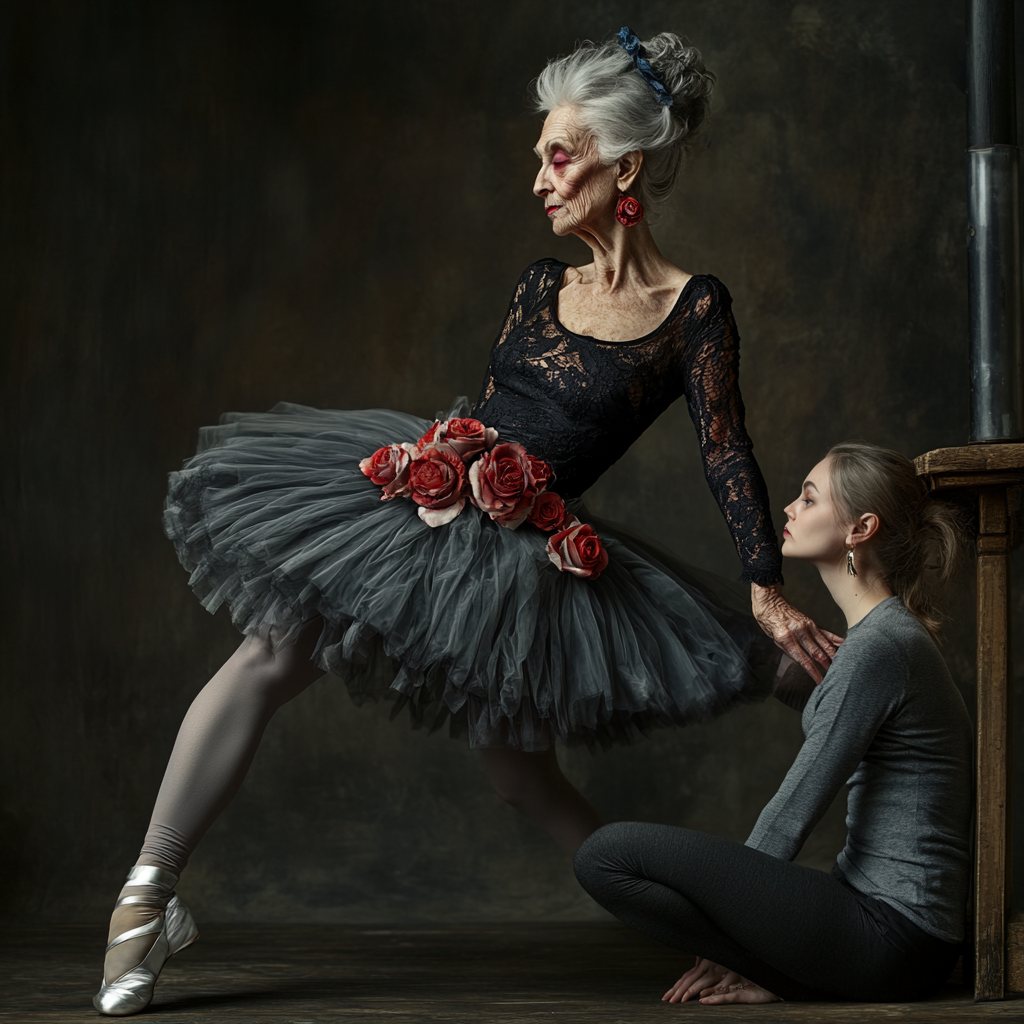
{"x": 174, "y": 929}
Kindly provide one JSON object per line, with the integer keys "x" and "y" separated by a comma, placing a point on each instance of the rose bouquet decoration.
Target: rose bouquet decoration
{"x": 459, "y": 460}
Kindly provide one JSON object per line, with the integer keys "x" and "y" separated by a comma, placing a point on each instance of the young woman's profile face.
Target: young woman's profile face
{"x": 813, "y": 531}
{"x": 576, "y": 187}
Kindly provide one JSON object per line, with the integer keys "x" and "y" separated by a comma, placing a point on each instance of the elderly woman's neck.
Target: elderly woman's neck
{"x": 626, "y": 257}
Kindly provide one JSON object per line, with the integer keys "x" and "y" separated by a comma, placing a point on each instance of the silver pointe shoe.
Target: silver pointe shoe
{"x": 174, "y": 930}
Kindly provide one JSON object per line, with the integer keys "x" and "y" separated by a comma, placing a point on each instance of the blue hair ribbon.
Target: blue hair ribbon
{"x": 629, "y": 42}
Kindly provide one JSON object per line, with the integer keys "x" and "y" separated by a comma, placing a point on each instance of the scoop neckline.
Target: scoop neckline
{"x": 553, "y": 306}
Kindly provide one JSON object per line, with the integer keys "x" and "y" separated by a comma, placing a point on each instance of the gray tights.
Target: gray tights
{"x": 218, "y": 740}
{"x": 215, "y": 746}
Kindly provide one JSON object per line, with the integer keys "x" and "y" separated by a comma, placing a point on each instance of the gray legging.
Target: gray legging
{"x": 797, "y": 932}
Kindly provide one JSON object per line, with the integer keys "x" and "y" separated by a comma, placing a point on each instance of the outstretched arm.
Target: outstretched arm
{"x": 716, "y": 408}
{"x": 713, "y": 398}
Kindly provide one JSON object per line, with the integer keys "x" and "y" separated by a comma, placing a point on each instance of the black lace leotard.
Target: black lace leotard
{"x": 580, "y": 403}
{"x": 469, "y": 621}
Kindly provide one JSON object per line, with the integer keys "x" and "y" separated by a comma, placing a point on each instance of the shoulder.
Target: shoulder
{"x": 925, "y": 671}
{"x": 898, "y": 654}
{"x": 888, "y": 651}
{"x": 893, "y": 626}
{"x": 705, "y": 313}
{"x": 875, "y": 645}
{"x": 543, "y": 272}
{"x": 871, "y": 667}
{"x": 706, "y": 295}
{"x": 704, "y": 317}
{"x": 535, "y": 285}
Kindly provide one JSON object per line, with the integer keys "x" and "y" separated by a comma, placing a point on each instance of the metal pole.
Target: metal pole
{"x": 993, "y": 211}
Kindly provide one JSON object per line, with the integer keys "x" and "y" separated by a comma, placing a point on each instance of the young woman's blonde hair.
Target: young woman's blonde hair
{"x": 920, "y": 540}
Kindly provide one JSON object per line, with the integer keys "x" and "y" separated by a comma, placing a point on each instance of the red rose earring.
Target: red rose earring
{"x": 628, "y": 211}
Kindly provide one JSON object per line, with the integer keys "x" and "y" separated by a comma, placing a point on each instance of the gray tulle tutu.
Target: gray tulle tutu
{"x": 468, "y": 623}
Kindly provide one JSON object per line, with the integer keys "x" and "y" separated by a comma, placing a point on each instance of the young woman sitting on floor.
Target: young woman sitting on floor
{"x": 887, "y": 925}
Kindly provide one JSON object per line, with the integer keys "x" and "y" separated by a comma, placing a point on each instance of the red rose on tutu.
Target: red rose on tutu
{"x": 541, "y": 472}
{"x": 465, "y": 435}
{"x": 503, "y": 484}
{"x": 578, "y": 549}
{"x": 437, "y": 483}
{"x": 503, "y": 480}
{"x": 432, "y": 435}
{"x": 548, "y": 512}
{"x": 389, "y": 468}
{"x": 468, "y": 436}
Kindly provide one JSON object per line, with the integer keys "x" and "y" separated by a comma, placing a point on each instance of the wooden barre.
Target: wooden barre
{"x": 989, "y": 471}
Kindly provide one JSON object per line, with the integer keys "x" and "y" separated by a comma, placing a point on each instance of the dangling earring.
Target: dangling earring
{"x": 628, "y": 211}
{"x": 851, "y": 569}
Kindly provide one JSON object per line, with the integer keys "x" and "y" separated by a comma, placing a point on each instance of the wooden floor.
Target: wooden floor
{"x": 301, "y": 974}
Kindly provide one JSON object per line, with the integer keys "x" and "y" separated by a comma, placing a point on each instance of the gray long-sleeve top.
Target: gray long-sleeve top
{"x": 888, "y": 721}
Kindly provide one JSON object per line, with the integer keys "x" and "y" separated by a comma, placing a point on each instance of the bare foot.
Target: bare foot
{"x": 716, "y": 984}
{"x": 736, "y": 989}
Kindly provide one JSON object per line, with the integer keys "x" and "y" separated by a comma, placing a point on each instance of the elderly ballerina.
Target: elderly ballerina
{"x": 555, "y": 627}
{"x": 887, "y": 721}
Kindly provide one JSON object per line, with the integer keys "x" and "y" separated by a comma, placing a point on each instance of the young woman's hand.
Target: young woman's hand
{"x": 794, "y": 632}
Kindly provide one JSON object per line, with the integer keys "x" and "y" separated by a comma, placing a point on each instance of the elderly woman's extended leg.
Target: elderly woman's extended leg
{"x": 213, "y": 751}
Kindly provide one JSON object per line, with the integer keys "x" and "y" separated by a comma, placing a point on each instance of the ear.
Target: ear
{"x": 628, "y": 169}
{"x": 863, "y": 529}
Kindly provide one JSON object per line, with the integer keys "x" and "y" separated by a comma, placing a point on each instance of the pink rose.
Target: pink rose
{"x": 468, "y": 436}
{"x": 503, "y": 484}
{"x": 548, "y": 512}
{"x": 389, "y": 468}
{"x": 578, "y": 549}
{"x": 437, "y": 483}
{"x": 465, "y": 435}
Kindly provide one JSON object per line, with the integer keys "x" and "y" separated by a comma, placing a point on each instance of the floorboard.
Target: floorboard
{"x": 306, "y": 974}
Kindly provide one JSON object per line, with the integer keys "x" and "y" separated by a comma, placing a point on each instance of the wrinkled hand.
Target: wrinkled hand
{"x": 794, "y": 632}
{"x": 716, "y": 984}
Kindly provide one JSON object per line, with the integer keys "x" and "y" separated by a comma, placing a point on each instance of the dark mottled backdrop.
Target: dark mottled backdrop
{"x": 213, "y": 205}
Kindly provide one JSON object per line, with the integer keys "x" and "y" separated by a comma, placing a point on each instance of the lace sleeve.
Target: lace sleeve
{"x": 513, "y": 318}
{"x": 712, "y": 391}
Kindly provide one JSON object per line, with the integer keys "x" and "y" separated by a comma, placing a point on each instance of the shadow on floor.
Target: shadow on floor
{"x": 304, "y": 974}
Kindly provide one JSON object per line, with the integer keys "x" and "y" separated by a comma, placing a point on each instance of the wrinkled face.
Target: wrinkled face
{"x": 578, "y": 191}
{"x": 813, "y": 530}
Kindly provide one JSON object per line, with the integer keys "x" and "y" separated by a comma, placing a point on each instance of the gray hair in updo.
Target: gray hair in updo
{"x": 622, "y": 111}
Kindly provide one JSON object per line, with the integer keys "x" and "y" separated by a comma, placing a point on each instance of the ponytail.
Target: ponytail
{"x": 920, "y": 540}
